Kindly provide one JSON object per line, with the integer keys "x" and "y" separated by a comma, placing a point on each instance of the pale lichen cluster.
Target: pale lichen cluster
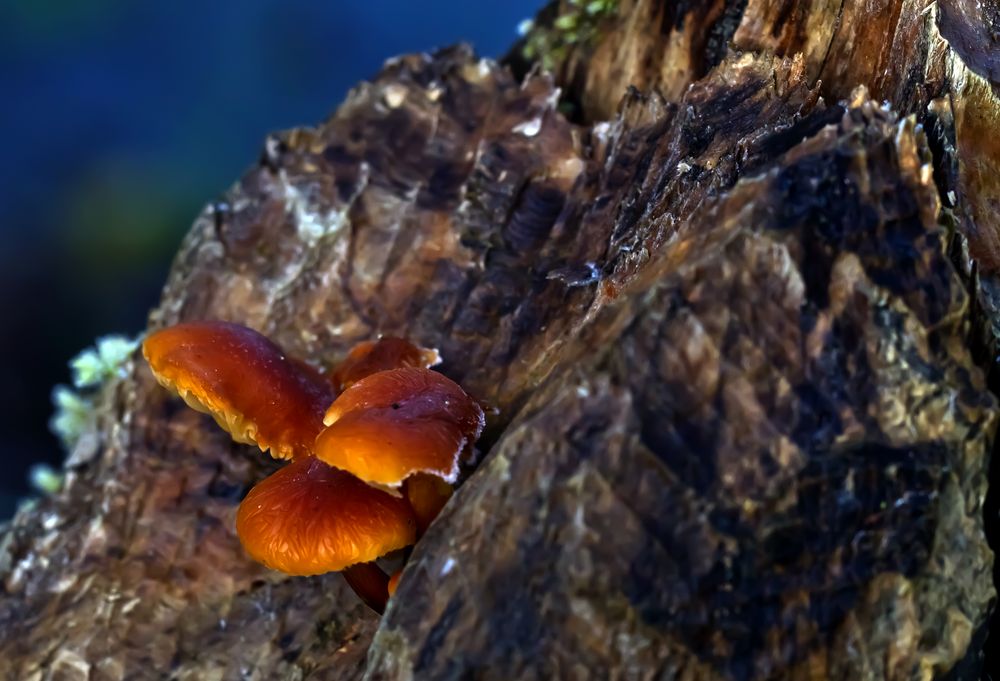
{"x": 74, "y": 406}
{"x": 577, "y": 24}
{"x": 91, "y": 368}
{"x": 105, "y": 360}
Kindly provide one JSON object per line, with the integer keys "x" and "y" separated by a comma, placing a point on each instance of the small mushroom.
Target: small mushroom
{"x": 399, "y": 426}
{"x": 253, "y": 390}
{"x": 370, "y": 357}
{"x": 396, "y": 425}
{"x": 393, "y": 424}
{"x": 310, "y": 518}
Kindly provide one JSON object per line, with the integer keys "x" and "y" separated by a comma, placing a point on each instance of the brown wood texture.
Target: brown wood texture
{"x": 725, "y": 278}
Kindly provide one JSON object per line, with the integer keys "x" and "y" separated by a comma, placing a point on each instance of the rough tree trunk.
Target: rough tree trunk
{"x": 731, "y": 291}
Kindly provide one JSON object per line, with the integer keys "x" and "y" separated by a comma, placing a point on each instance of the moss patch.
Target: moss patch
{"x": 576, "y": 24}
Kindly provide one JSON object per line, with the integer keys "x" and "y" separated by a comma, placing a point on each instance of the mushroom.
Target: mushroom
{"x": 396, "y": 426}
{"x": 370, "y": 357}
{"x": 253, "y": 390}
{"x": 300, "y": 519}
{"x": 310, "y": 518}
{"x": 408, "y": 425}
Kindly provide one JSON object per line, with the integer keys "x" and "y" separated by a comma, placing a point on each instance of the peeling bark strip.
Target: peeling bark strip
{"x": 735, "y": 332}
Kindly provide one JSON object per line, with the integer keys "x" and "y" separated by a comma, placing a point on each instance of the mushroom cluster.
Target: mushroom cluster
{"x": 375, "y": 447}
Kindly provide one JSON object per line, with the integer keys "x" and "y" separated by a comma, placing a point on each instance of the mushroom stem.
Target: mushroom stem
{"x": 394, "y": 581}
{"x": 370, "y": 583}
{"x": 427, "y": 495}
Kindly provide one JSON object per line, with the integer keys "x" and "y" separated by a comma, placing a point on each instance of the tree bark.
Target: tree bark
{"x": 727, "y": 277}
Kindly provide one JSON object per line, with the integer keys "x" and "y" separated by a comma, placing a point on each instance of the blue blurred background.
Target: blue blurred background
{"x": 119, "y": 120}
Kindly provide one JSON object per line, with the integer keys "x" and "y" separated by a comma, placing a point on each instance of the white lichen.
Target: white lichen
{"x": 74, "y": 409}
{"x": 394, "y": 95}
{"x": 45, "y": 478}
{"x": 74, "y": 415}
{"x": 529, "y": 128}
{"x": 311, "y": 222}
{"x": 105, "y": 360}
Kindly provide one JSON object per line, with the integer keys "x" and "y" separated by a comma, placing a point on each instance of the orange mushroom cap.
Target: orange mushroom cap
{"x": 309, "y": 518}
{"x": 252, "y": 389}
{"x": 371, "y": 357}
{"x": 393, "y": 424}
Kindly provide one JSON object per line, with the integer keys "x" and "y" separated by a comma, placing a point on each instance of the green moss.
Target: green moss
{"x": 577, "y": 24}
{"x": 45, "y": 478}
{"x": 107, "y": 359}
{"x": 74, "y": 409}
{"x": 74, "y": 415}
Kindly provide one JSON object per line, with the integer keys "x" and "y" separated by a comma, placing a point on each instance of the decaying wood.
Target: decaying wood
{"x": 736, "y": 322}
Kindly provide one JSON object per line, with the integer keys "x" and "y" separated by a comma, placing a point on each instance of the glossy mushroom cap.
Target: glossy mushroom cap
{"x": 252, "y": 389}
{"x": 310, "y": 518}
{"x": 393, "y": 424}
{"x": 371, "y": 357}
